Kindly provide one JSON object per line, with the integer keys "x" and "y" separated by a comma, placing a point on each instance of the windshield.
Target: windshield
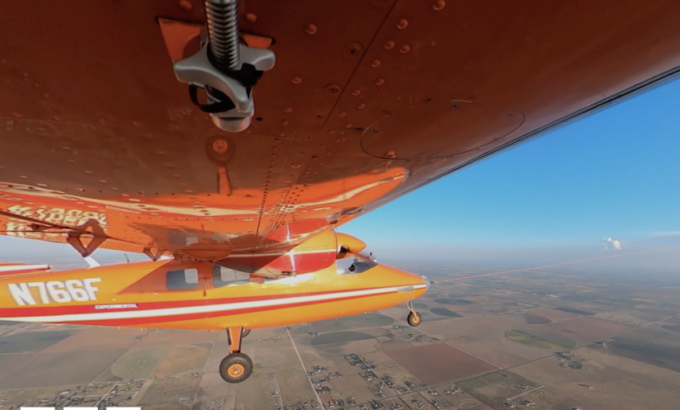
{"x": 355, "y": 263}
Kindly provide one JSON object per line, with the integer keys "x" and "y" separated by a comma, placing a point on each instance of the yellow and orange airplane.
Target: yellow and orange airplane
{"x": 226, "y": 139}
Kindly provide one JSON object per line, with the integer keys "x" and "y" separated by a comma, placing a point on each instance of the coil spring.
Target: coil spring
{"x": 223, "y": 36}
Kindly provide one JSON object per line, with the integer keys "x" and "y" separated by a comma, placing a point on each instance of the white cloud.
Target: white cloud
{"x": 611, "y": 243}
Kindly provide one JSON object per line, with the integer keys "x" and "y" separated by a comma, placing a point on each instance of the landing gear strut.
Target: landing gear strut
{"x": 413, "y": 318}
{"x": 237, "y": 366}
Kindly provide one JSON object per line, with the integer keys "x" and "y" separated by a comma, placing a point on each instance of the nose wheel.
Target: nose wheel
{"x": 413, "y": 318}
{"x": 237, "y": 366}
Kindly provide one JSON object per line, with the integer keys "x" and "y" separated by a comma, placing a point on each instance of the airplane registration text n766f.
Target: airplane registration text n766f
{"x": 55, "y": 291}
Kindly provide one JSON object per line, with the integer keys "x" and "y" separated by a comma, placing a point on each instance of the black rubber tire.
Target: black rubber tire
{"x": 242, "y": 362}
{"x": 414, "y": 319}
{"x": 245, "y": 333}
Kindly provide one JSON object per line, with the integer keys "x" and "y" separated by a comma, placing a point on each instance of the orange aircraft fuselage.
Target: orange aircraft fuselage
{"x": 141, "y": 294}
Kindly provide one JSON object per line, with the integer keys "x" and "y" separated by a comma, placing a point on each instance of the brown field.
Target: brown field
{"x": 551, "y": 314}
{"x": 535, "y": 319}
{"x": 586, "y": 329}
{"x": 139, "y": 363}
{"x": 501, "y": 351}
{"x": 98, "y": 338}
{"x": 161, "y": 337}
{"x": 439, "y": 363}
{"x": 469, "y": 328}
{"x": 493, "y": 388}
{"x": 615, "y": 382}
{"x": 182, "y": 358}
{"x": 170, "y": 391}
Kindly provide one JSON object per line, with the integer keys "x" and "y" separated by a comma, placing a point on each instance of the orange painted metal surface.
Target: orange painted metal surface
{"x": 368, "y": 100}
{"x": 138, "y": 294}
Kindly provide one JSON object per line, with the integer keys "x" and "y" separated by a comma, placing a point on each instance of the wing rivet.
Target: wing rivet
{"x": 332, "y": 89}
{"x": 356, "y": 92}
{"x": 288, "y": 109}
{"x": 391, "y": 154}
{"x": 136, "y": 123}
{"x": 283, "y": 134}
{"x": 342, "y": 114}
{"x": 389, "y": 45}
{"x": 296, "y": 165}
{"x": 284, "y": 122}
{"x": 402, "y": 24}
{"x": 296, "y": 80}
{"x": 353, "y": 51}
{"x": 251, "y": 18}
{"x": 311, "y": 29}
{"x": 404, "y": 49}
{"x": 379, "y": 81}
{"x": 348, "y": 125}
{"x": 338, "y": 140}
{"x": 185, "y": 5}
{"x": 361, "y": 106}
{"x": 375, "y": 63}
{"x": 331, "y": 131}
{"x": 438, "y": 5}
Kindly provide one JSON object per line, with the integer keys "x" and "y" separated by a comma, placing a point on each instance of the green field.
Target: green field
{"x": 420, "y": 305}
{"x": 452, "y": 301}
{"x": 445, "y": 312}
{"x": 575, "y": 311}
{"x": 672, "y": 328}
{"x": 28, "y": 341}
{"x": 365, "y": 320}
{"x": 339, "y": 337}
{"x": 542, "y": 340}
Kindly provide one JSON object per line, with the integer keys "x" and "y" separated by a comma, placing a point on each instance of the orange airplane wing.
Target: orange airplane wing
{"x": 367, "y": 100}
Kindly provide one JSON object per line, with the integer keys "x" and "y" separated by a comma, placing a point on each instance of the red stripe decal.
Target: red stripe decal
{"x": 29, "y": 311}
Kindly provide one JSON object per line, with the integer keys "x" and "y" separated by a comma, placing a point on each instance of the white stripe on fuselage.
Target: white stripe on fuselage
{"x": 226, "y": 307}
{"x": 12, "y": 268}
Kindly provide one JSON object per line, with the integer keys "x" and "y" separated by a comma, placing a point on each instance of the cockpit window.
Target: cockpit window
{"x": 355, "y": 264}
{"x": 182, "y": 279}
{"x": 225, "y": 277}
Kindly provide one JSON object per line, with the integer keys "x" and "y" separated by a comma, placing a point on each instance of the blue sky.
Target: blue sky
{"x": 615, "y": 173}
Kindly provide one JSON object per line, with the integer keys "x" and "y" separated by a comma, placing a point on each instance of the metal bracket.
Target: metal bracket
{"x": 197, "y": 70}
{"x": 153, "y": 255}
{"x": 99, "y": 237}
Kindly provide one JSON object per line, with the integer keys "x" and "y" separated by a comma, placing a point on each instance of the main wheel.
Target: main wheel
{"x": 236, "y": 367}
{"x": 245, "y": 333}
{"x": 413, "y": 318}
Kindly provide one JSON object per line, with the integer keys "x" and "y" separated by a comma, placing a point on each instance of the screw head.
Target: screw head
{"x": 185, "y": 5}
{"x": 311, "y": 29}
{"x": 220, "y": 146}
